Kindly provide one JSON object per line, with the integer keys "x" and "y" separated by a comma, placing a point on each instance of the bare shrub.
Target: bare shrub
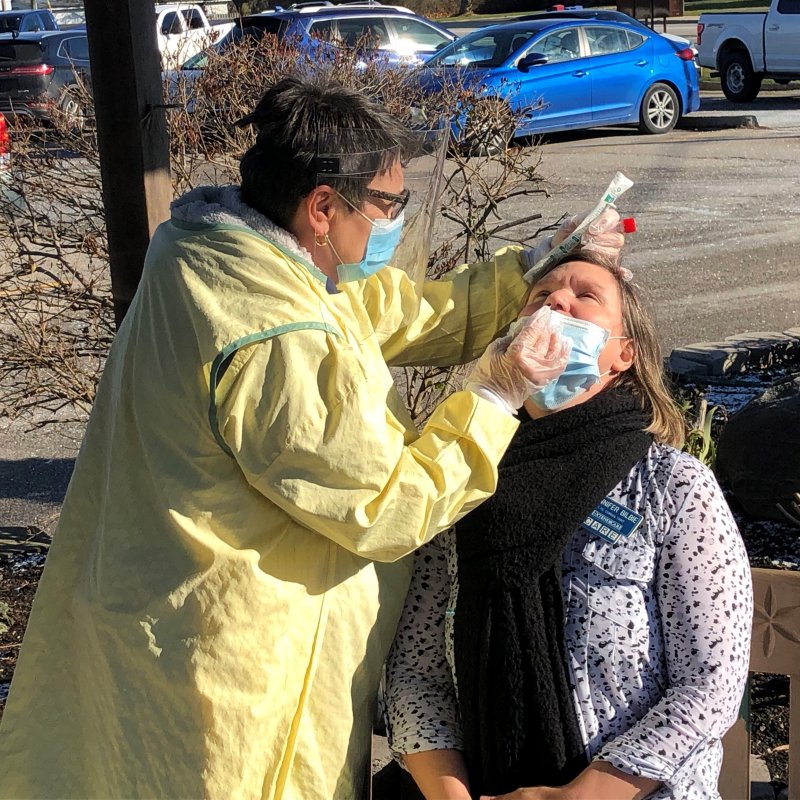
{"x": 56, "y": 313}
{"x": 55, "y": 300}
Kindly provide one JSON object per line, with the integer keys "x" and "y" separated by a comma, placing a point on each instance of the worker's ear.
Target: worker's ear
{"x": 321, "y": 209}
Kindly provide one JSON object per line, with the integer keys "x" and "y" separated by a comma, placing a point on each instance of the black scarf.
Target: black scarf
{"x": 519, "y": 722}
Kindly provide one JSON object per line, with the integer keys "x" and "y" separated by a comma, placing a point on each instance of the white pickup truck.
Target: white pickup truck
{"x": 746, "y": 47}
{"x": 182, "y": 29}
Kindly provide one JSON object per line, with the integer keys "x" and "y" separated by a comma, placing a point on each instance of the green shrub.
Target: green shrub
{"x": 703, "y": 423}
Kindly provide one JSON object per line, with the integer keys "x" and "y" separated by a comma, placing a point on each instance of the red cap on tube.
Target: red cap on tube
{"x": 628, "y": 225}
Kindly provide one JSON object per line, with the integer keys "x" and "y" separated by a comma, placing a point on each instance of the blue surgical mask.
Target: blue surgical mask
{"x": 582, "y": 370}
{"x": 383, "y": 240}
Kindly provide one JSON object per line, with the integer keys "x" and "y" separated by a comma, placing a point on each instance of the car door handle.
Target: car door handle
{"x": 581, "y": 73}
{"x": 774, "y": 27}
{"x": 641, "y": 63}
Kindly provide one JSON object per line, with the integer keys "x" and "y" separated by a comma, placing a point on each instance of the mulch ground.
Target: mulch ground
{"x": 19, "y": 574}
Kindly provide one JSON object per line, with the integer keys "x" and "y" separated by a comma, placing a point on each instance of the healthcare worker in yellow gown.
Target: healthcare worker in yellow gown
{"x": 229, "y": 568}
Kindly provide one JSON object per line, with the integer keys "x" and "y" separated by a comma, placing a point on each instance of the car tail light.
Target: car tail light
{"x": 5, "y": 145}
{"x": 32, "y": 69}
{"x": 687, "y": 54}
{"x": 700, "y": 27}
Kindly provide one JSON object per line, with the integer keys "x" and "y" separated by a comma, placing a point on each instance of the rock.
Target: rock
{"x": 718, "y": 358}
{"x": 759, "y": 451}
{"x": 765, "y": 349}
{"x": 760, "y": 786}
{"x": 794, "y": 332}
{"x": 678, "y": 365}
{"x": 744, "y": 352}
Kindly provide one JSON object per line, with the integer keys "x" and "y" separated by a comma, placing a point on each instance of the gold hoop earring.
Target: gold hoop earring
{"x": 324, "y": 243}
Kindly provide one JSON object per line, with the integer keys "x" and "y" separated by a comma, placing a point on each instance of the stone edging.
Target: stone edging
{"x": 736, "y": 354}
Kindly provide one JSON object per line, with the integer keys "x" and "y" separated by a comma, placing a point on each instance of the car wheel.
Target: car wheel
{"x": 73, "y": 118}
{"x": 489, "y": 128}
{"x": 660, "y": 109}
{"x": 739, "y": 83}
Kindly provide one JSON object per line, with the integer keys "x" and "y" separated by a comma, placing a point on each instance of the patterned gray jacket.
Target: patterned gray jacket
{"x": 657, "y": 629}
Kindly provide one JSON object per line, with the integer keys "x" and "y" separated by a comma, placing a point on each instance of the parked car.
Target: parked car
{"x": 235, "y": 36}
{"x": 35, "y": 21}
{"x": 746, "y": 47}
{"x": 41, "y": 77}
{"x": 562, "y": 74}
{"x": 607, "y": 15}
{"x": 178, "y": 81}
{"x": 182, "y": 29}
{"x": 397, "y": 34}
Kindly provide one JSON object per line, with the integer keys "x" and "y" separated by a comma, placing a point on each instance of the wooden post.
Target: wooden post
{"x": 131, "y": 134}
{"x": 734, "y": 779}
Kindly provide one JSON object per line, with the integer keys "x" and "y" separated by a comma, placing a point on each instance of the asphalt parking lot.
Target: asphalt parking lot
{"x": 718, "y": 241}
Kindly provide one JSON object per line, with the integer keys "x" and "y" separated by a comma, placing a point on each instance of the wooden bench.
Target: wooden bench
{"x": 775, "y": 648}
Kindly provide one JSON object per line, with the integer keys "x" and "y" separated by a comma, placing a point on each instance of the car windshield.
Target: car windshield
{"x": 10, "y": 22}
{"x": 235, "y": 36}
{"x": 483, "y": 49}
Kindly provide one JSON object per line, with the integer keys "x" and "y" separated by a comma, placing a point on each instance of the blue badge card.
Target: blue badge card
{"x": 612, "y": 521}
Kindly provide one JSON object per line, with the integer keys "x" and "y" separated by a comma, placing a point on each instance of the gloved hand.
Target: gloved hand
{"x": 604, "y": 235}
{"x": 514, "y": 367}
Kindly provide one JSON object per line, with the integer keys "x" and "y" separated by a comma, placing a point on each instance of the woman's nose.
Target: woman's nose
{"x": 558, "y": 301}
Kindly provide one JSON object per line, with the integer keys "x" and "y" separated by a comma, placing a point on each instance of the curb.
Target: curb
{"x": 696, "y": 122}
{"x": 754, "y": 350}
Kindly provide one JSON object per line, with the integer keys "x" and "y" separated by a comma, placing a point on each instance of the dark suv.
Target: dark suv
{"x": 14, "y": 22}
{"x": 393, "y": 32}
{"x": 41, "y": 76}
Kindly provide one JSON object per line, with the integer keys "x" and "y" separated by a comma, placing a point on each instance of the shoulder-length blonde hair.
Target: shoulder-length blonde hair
{"x": 645, "y": 378}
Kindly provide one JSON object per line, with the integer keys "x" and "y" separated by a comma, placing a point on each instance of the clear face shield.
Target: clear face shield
{"x": 389, "y": 198}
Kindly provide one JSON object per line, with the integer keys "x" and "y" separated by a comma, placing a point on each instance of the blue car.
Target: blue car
{"x": 562, "y": 74}
{"x": 392, "y": 34}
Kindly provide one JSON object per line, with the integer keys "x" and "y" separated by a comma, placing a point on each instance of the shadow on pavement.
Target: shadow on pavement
{"x": 43, "y": 480}
{"x": 764, "y": 102}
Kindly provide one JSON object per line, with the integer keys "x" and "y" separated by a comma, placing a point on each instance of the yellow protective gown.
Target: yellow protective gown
{"x": 228, "y": 570}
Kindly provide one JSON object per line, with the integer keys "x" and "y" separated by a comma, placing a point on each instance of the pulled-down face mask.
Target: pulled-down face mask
{"x": 582, "y": 370}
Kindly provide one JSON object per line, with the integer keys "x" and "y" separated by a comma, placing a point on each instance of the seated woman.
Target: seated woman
{"x": 587, "y": 629}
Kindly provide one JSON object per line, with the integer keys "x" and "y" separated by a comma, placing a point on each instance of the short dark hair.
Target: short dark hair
{"x": 299, "y": 122}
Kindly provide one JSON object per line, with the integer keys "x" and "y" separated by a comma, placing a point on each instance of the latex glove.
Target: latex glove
{"x": 604, "y": 236}
{"x": 514, "y": 367}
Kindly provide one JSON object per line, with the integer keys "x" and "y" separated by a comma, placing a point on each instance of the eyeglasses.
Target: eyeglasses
{"x": 398, "y": 201}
